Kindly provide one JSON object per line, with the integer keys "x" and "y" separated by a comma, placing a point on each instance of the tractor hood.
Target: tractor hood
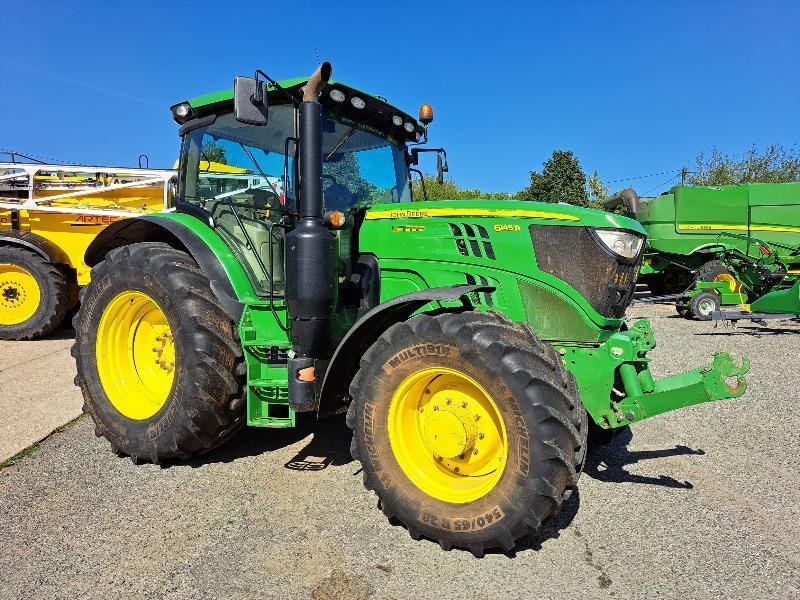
{"x": 505, "y": 213}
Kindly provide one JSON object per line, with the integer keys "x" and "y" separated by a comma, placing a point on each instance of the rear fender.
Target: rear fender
{"x": 228, "y": 281}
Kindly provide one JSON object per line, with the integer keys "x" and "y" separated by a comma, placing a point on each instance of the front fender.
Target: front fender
{"x": 369, "y": 327}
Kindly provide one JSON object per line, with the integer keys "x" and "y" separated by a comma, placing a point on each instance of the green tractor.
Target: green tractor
{"x": 473, "y": 345}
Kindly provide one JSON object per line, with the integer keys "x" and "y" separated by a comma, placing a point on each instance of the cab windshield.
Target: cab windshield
{"x": 236, "y": 173}
{"x": 231, "y": 162}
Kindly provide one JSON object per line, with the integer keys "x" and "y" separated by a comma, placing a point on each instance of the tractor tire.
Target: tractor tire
{"x": 702, "y": 305}
{"x": 710, "y": 271}
{"x": 675, "y": 280}
{"x": 34, "y": 294}
{"x": 159, "y": 361}
{"x": 498, "y": 387}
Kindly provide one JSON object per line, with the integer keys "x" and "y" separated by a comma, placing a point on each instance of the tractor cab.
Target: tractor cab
{"x": 243, "y": 176}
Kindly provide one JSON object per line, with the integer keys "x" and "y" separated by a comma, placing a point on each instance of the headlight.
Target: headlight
{"x": 621, "y": 242}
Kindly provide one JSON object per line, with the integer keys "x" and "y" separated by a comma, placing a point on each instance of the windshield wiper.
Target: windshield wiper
{"x": 341, "y": 142}
{"x": 253, "y": 159}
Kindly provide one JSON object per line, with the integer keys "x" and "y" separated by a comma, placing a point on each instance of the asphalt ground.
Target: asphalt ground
{"x": 36, "y": 390}
{"x": 700, "y": 503}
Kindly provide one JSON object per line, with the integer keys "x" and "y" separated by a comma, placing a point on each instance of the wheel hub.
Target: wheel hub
{"x": 447, "y": 435}
{"x": 10, "y": 293}
{"x": 449, "y": 429}
{"x": 19, "y": 295}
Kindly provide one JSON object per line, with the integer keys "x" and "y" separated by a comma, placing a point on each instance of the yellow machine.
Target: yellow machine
{"x": 49, "y": 214}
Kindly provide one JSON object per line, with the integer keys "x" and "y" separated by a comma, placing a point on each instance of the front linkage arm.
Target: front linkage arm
{"x": 641, "y": 396}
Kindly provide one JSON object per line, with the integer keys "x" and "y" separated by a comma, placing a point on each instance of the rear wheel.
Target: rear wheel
{"x": 468, "y": 428}
{"x": 34, "y": 294}
{"x": 710, "y": 270}
{"x": 159, "y": 362}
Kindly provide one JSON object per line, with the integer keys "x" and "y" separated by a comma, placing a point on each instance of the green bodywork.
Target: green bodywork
{"x": 684, "y": 225}
{"x": 425, "y": 245}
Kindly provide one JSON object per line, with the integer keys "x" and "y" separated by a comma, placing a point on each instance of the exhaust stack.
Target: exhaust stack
{"x": 310, "y": 283}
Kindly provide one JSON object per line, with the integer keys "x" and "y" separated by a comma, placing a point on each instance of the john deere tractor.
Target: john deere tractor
{"x": 473, "y": 345}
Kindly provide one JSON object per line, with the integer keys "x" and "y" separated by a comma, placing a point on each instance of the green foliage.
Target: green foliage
{"x": 561, "y": 180}
{"x": 213, "y": 152}
{"x": 450, "y": 190}
{"x": 776, "y": 164}
{"x": 598, "y": 191}
{"x": 346, "y": 173}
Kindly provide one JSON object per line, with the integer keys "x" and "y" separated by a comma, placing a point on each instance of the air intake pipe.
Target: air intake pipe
{"x": 310, "y": 272}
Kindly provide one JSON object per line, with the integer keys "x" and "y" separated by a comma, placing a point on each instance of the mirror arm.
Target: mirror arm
{"x": 258, "y": 98}
{"x": 421, "y": 181}
{"x": 415, "y": 155}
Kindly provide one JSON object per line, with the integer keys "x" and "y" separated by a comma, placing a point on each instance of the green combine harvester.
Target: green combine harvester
{"x": 755, "y": 284}
{"x": 473, "y": 345}
{"x": 684, "y": 226}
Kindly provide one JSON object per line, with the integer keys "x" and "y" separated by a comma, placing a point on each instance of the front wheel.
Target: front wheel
{"x": 468, "y": 428}
{"x": 703, "y": 305}
{"x": 159, "y": 362}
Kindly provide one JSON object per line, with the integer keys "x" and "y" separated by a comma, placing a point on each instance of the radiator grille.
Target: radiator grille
{"x": 576, "y": 256}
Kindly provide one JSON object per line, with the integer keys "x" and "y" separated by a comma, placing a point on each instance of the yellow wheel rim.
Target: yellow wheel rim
{"x": 135, "y": 355}
{"x": 447, "y": 435}
{"x": 19, "y": 294}
{"x": 729, "y": 279}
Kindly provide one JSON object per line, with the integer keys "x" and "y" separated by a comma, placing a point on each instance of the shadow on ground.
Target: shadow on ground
{"x": 607, "y": 463}
{"x": 329, "y": 444}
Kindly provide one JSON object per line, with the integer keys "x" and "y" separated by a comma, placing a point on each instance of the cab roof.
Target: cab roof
{"x": 377, "y": 113}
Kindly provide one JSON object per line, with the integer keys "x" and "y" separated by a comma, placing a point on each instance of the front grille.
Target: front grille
{"x": 574, "y": 255}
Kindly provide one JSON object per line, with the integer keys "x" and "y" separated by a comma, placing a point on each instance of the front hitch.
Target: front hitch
{"x": 717, "y": 381}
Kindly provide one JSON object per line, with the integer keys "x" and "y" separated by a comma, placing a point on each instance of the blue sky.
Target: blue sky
{"x": 633, "y": 88}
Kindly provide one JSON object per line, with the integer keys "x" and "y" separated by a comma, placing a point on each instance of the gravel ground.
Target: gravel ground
{"x": 701, "y": 503}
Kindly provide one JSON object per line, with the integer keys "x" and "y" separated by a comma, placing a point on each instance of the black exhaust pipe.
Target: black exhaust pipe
{"x": 310, "y": 272}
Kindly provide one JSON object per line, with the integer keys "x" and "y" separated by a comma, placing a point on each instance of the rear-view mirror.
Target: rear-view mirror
{"x": 250, "y": 101}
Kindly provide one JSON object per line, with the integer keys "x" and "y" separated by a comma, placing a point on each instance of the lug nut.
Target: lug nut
{"x": 421, "y": 409}
{"x": 448, "y": 400}
{"x": 481, "y": 435}
{"x": 464, "y": 404}
{"x": 475, "y": 450}
{"x": 477, "y": 417}
{"x": 435, "y": 407}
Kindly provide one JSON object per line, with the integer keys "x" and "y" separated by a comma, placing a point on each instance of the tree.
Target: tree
{"x": 598, "y": 191}
{"x": 450, "y": 190}
{"x": 213, "y": 152}
{"x": 775, "y": 165}
{"x": 561, "y": 180}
